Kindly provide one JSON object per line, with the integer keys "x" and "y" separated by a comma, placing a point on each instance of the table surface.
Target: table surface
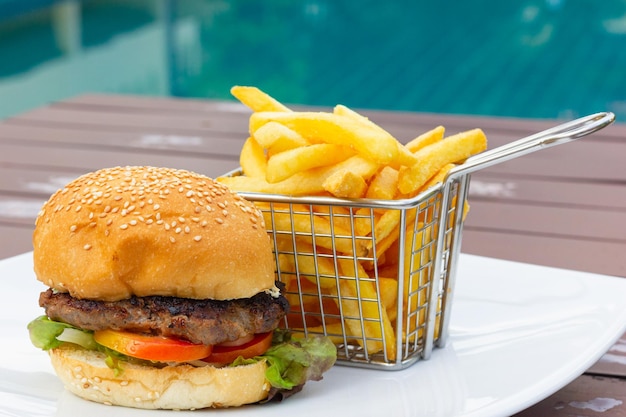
{"x": 563, "y": 207}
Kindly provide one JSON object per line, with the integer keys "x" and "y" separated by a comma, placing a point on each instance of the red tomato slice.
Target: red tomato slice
{"x": 153, "y": 348}
{"x": 227, "y": 354}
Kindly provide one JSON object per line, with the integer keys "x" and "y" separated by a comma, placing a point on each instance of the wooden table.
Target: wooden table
{"x": 563, "y": 207}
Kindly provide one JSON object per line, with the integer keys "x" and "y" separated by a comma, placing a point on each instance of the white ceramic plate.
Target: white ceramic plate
{"x": 518, "y": 333}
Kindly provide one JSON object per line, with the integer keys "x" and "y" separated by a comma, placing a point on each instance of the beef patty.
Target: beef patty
{"x": 199, "y": 321}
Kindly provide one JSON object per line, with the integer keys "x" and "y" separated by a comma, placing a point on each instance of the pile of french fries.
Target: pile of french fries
{"x": 340, "y": 263}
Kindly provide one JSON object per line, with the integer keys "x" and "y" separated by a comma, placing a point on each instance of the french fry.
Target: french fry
{"x": 418, "y": 255}
{"x": 340, "y": 216}
{"x": 359, "y": 298}
{"x": 363, "y": 221}
{"x": 404, "y": 156}
{"x": 252, "y": 159}
{"x": 256, "y": 99}
{"x": 285, "y": 164}
{"x": 310, "y": 182}
{"x": 387, "y": 223}
{"x": 389, "y": 296}
{"x": 425, "y": 139}
{"x": 334, "y": 331}
{"x": 308, "y": 264}
{"x": 437, "y": 155}
{"x": 317, "y": 230}
{"x": 341, "y": 263}
{"x": 345, "y": 184}
{"x": 438, "y": 177}
{"x": 384, "y": 185}
{"x": 278, "y": 138}
{"x": 374, "y": 144}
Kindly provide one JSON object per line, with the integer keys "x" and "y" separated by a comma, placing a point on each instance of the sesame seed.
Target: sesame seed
{"x": 220, "y": 221}
{"x": 197, "y": 238}
{"x": 117, "y": 198}
{"x": 124, "y": 226}
{"x": 189, "y": 193}
{"x": 172, "y": 239}
{"x": 225, "y": 212}
{"x": 87, "y": 246}
{"x": 73, "y": 228}
{"x": 78, "y": 208}
{"x": 167, "y": 226}
{"x": 92, "y": 224}
{"x": 178, "y": 230}
{"x": 133, "y": 222}
{"x": 156, "y": 207}
{"x": 109, "y": 222}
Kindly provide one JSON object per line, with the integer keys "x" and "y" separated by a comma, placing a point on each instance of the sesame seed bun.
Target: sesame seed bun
{"x": 181, "y": 387}
{"x": 141, "y": 231}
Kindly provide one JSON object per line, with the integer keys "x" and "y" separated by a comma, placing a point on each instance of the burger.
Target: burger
{"x": 161, "y": 294}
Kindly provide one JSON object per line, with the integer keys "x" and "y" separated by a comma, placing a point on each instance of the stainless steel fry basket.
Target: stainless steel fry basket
{"x": 384, "y": 295}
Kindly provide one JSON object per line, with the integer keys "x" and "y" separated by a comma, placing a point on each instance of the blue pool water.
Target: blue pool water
{"x": 529, "y": 58}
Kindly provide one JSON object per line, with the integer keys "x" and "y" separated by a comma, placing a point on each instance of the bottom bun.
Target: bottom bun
{"x": 180, "y": 387}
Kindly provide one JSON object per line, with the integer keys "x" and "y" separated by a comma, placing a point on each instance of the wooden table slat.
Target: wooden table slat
{"x": 81, "y": 160}
{"x": 223, "y": 144}
{"x": 558, "y": 251}
{"x": 562, "y": 207}
{"x": 514, "y": 188}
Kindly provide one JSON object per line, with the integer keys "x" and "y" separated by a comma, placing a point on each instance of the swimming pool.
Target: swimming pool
{"x": 540, "y": 59}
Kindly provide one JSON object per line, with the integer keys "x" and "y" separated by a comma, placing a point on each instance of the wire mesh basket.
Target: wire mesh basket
{"x": 384, "y": 299}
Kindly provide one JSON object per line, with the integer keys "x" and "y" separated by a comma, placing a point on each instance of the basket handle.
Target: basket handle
{"x": 563, "y": 133}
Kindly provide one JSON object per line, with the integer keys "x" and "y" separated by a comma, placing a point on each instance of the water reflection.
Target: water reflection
{"x": 532, "y": 58}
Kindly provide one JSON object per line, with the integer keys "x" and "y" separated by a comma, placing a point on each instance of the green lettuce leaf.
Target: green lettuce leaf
{"x": 48, "y": 334}
{"x": 293, "y": 361}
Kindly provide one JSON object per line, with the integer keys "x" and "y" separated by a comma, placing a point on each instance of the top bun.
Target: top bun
{"x": 124, "y": 231}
